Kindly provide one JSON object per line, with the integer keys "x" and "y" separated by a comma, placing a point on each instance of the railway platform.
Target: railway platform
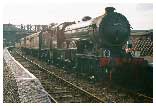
{"x": 29, "y": 87}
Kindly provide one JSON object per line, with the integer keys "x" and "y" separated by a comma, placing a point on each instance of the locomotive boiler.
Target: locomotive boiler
{"x": 108, "y": 32}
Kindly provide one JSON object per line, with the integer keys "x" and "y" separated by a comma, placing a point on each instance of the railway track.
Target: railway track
{"x": 68, "y": 91}
{"x": 59, "y": 90}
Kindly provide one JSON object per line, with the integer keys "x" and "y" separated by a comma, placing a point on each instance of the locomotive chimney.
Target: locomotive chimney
{"x": 109, "y": 10}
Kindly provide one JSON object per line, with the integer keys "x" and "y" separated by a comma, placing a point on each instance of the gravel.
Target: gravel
{"x": 10, "y": 89}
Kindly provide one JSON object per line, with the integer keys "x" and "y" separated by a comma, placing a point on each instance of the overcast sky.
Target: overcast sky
{"x": 139, "y": 15}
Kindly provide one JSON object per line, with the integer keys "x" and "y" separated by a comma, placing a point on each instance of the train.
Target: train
{"x": 93, "y": 46}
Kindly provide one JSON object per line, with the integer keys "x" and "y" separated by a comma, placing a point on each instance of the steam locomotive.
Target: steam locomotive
{"x": 93, "y": 46}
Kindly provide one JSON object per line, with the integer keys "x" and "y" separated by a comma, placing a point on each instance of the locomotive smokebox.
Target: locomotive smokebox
{"x": 114, "y": 29}
{"x": 109, "y": 10}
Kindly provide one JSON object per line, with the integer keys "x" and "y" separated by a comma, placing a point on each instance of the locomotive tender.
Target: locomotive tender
{"x": 93, "y": 46}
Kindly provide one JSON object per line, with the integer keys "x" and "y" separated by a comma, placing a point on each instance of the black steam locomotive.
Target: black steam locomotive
{"x": 93, "y": 46}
